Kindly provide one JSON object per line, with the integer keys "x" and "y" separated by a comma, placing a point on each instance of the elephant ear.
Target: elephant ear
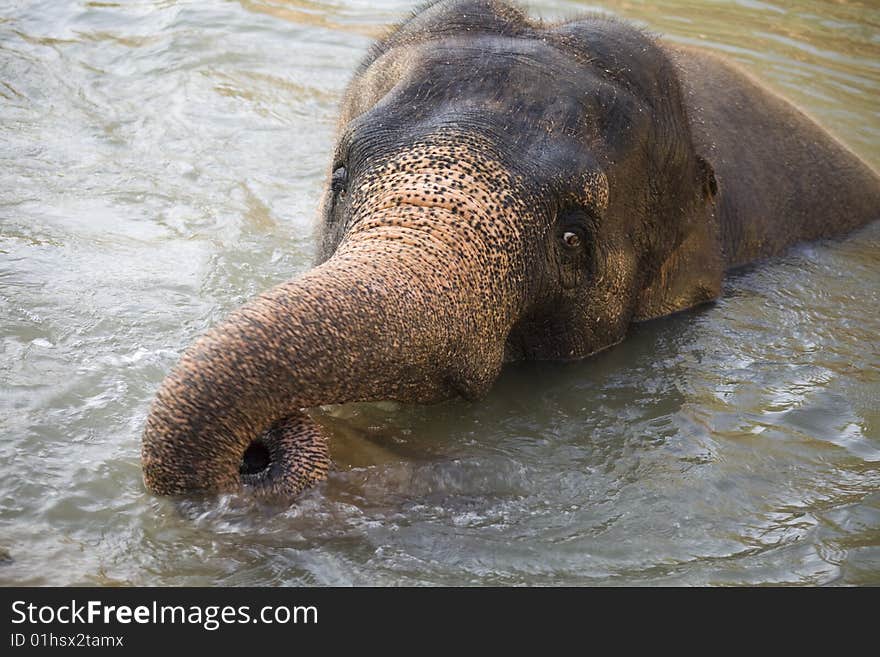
{"x": 691, "y": 274}
{"x": 707, "y": 177}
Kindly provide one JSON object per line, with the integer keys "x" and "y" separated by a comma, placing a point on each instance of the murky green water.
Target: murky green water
{"x": 162, "y": 162}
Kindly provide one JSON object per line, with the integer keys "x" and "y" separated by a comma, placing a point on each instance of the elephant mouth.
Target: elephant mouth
{"x": 291, "y": 456}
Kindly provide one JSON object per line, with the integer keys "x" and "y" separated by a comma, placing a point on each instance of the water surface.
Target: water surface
{"x": 161, "y": 162}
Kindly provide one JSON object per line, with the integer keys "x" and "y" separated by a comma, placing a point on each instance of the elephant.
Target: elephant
{"x": 500, "y": 189}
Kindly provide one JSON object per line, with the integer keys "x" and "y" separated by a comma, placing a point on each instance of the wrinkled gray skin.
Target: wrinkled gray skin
{"x": 500, "y": 189}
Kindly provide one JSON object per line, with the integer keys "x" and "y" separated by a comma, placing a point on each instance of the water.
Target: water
{"x": 162, "y": 162}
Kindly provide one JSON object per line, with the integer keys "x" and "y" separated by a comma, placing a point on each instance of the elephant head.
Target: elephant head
{"x": 500, "y": 190}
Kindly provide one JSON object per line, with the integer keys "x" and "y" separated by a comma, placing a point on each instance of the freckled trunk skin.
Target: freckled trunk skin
{"x": 395, "y": 314}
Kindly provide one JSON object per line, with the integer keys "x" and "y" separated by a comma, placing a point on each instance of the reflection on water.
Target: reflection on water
{"x": 162, "y": 161}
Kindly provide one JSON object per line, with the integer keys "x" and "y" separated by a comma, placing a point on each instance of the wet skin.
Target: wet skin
{"x": 500, "y": 189}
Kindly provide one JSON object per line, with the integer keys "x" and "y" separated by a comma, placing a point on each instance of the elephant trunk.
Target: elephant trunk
{"x": 392, "y": 315}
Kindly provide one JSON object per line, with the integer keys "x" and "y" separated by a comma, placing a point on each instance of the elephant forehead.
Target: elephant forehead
{"x": 481, "y": 58}
{"x": 449, "y": 153}
{"x": 519, "y": 80}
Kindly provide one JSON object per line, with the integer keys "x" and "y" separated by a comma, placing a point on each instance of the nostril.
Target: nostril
{"x": 288, "y": 457}
{"x": 255, "y": 460}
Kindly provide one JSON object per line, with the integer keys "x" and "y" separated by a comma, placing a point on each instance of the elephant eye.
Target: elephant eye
{"x": 571, "y": 240}
{"x": 339, "y": 181}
